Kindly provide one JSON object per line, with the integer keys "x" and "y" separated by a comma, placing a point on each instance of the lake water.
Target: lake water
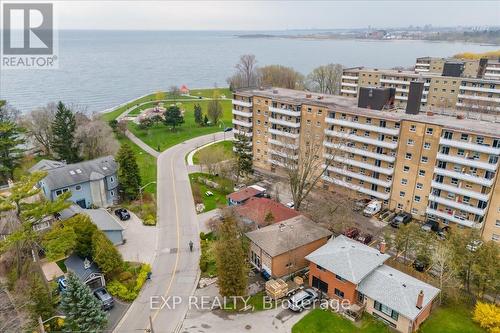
{"x": 100, "y": 69}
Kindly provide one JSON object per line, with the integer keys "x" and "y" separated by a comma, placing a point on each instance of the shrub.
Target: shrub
{"x": 149, "y": 220}
{"x": 487, "y": 315}
{"x": 124, "y": 276}
{"x": 203, "y": 236}
{"x": 141, "y": 278}
{"x": 197, "y": 194}
{"x": 129, "y": 290}
{"x": 116, "y": 288}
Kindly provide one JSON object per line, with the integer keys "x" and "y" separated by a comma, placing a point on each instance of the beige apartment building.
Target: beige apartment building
{"x": 431, "y": 165}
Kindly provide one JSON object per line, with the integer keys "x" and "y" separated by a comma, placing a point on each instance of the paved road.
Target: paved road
{"x": 175, "y": 268}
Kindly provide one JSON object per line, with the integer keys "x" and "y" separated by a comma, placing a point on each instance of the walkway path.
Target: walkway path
{"x": 175, "y": 268}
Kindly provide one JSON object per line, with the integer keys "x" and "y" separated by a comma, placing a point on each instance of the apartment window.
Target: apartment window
{"x": 340, "y": 278}
{"x": 414, "y": 211}
{"x": 406, "y": 168}
{"x": 367, "y": 133}
{"x": 385, "y": 310}
{"x": 61, "y": 191}
{"x": 400, "y": 206}
{"x": 479, "y": 140}
{"x": 258, "y": 122}
{"x": 112, "y": 179}
{"x": 427, "y": 145}
{"x": 424, "y": 159}
{"x": 308, "y": 121}
{"x": 464, "y": 137}
{"x": 402, "y": 194}
{"x": 396, "y": 125}
{"x": 410, "y": 142}
{"x": 368, "y": 120}
{"x": 461, "y": 152}
{"x": 112, "y": 193}
{"x": 404, "y": 181}
{"x": 417, "y": 198}
{"x": 339, "y": 293}
{"x": 497, "y": 223}
{"x": 421, "y": 173}
{"x": 448, "y": 135}
{"x": 355, "y": 119}
{"x": 413, "y": 128}
{"x": 309, "y": 110}
{"x": 429, "y": 131}
{"x": 320, "y": 268}
{"x": 320, "y": 112}
{"x": 495, "y": 237}
{"x": 79, "y": 187}
{"x": 408, "y": 156}
{"x": 466, "y": 199}
{"x": 420, "y": 186}
{"x": 454, "y": 181}
{"x": 258, "y": 111}
{"x": 318, "y": 124}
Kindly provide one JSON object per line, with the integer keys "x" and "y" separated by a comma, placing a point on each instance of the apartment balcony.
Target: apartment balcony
{"x": 401, "y": 98}
{"x": 405, "y": 90}
{"x": 285, "y": 112}
{"x": 423, "y": 64}
{"x": 395, "y": 81}
{"x": 470, "y": 146}
{"x": 490, "y": 68}
{"x": 242, "y": 123}
{"x": 349, "y": 91}
{"x": 478, "y": 107}
{"x": 457, "y": 205}
{"x": 452, "y": 218}
{"x": 464, "y": 176}
{"x": 379, "y": 195}
{"x": 284, "y": 122}
{"x": 359, "y": 176}
{"x": 365, "y": 127}
{"x": 421, "y": 69}
{"x": 359, "y": 164}
{"x": 349, "y": 77}
{"x": 348, "y": 84}
{"x": 292, "y": 156}
{"x": 242, "y": 113}
{"x": 362, "y": 139}
{"x": 275, "y": 162}
{"x": 360, "y": 152}
{"x": 481, "y": 89}
{"x": 460, "y": 191}
{"x": 466, "y": 161}
{"x": 283, "y": 133}
{"x": 283, "y": 144}
{"x": 479, "y": 98}
{"x": 494, "y": 76}
{"x": 240, "y": 132}
{"x": 242, "y": 103}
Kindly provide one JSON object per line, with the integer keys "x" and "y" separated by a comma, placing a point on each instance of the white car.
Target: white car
{"x": 302, "y": 300}
{"x": 372, "y": 208}
{"x": 290, "y": 204}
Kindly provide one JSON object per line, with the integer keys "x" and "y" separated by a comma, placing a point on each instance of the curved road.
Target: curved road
{"x": 175, "y": 268}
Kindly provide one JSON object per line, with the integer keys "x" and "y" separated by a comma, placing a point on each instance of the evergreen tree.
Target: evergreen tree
{"x": 230, "y": 259}
{"x": 63, "y": 129}
{"x": 243, "y": 152}
{"x": 205, "y": 120}
{"x": 105, "y": 255}
{"x": 10, "y": 140}
{"x": 173, "y": 116}
{"x": 82, "y": 310}
{"x": 128, "y": 173}
{"x": 40, "y": 301}
{"x": 198, "y": 115}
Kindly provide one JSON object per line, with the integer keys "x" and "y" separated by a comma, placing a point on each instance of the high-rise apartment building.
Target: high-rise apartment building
{"x": 434, "y": 166}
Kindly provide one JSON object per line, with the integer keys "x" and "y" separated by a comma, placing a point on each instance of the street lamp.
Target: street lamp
{"x": 142, "y": 188}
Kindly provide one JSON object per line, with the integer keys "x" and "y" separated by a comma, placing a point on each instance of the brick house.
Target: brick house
{"x": 345, "y": 269}
{"x": 280, "y": 249}
{"x": 259, "y": 212}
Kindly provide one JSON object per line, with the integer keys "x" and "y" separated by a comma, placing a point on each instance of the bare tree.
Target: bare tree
{"x": 38, "y": 123}
{"x": 210, "y": 159}
{"x": 326, "y": 79}
{"x": 442, "y": 262}
{"x": 281, "y": 76}
{"x": 247, "y": 67}
{"x": 95, "y": 139}
{"x": 174, "y": 92}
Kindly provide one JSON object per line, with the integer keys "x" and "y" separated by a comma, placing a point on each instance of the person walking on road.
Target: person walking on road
{"x": 191, "y": 246}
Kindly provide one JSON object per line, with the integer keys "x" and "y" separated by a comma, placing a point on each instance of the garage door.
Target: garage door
{"x": 321, "y": 285}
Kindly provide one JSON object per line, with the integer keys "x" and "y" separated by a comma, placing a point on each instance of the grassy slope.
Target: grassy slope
{"x": 162, "y": 137}
{"x": 453, "y": 319}
{"x": 321, "y": 321}
{"x": 214, "y": 201}
{"x": 226, "y": 145}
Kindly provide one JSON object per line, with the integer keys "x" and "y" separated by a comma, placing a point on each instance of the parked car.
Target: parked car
{"x": 443, "y": 233}
{"x": 364, "y": 238}
{"x": 421, "y": 263}
{"x": 122, "y": 214}
{"x": 351, "y": 232}
{"x": 302, "y": 300}
{"x": 474, "y": 245}
{"x": 290, "y": 204}
{"x": 359, "y": 205}
{"x": 372, "y": 208}
{"x": 401, "y": 218}
{"x": 431, "y": 226}
{"x": 105, "y": 298}
{"x": 228, "y": 129}
{"x": 62, "y": 284}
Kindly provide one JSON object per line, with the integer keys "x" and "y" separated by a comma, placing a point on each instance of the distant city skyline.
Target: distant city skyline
{"x": 272, "y": 15}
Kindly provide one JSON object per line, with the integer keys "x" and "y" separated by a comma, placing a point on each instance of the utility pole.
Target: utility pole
{"x": 151, "y": 325}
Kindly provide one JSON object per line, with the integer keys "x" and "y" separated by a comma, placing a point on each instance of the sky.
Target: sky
{"x": 270, "y": 15}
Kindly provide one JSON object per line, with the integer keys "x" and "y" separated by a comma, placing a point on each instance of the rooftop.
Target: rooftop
{"x": 290, "y": 234}
{"x": 45, "y": 165}
{"x": 256, "y": 210}
{"x": 397, "y": 290}
{"x": 245, "y": 193}
{"x": 77, "y": 265}
{"x": 100, "y": 217}
{"x": 347, "y": 258}
{"x": 72, "y": 174}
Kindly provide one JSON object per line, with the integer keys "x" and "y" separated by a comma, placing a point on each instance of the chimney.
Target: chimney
{"x": 420, "y": 299}
{"x": 382, "y": 247}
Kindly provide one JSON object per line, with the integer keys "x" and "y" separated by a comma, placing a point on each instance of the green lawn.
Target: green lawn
{"x": 161, "y": 136}
{"x": 452, "y": 319}
{"x": 218, "y": 199}
{"x": 209, "y": 93}
{"x": 323, "y": 321}
{"x": 226, "y": 146}
{"x": 208, "y": 266}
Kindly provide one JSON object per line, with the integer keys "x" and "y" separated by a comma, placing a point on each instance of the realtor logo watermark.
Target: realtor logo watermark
{"x": 28, "y": 36}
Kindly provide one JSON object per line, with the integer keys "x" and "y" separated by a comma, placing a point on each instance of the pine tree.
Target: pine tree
{"x": 40, "y": 301}
{"x": 173, "y": 116}
{"x": 63, "y": 129}
{"x": 230, "y": 259}
{"x": 128, "y": 173}
{"x": 105, "y": 255}
{"x": 82, "y": 310}
{"x": 11, "y": 153}
{"x": 198, "y": 115}
{"x": 243, "y": 152}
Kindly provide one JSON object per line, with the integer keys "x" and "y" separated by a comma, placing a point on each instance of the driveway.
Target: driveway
{"x": 116, "y": 313}
{"x": 137, "y": 236}
{"x": 175, "y": 269}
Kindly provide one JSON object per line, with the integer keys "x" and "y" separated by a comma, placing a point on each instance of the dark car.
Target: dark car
{"x": 122, "y": 214}
{"x": 364, "y": 238}
{"x": 421, "y": 263}
{"x": 351, "y": 232}
{"x": 400, "y": 218}
{"x": 431, "y": 226}
{"x": 106, "y": 299}
{"x": 228, "y": 129}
